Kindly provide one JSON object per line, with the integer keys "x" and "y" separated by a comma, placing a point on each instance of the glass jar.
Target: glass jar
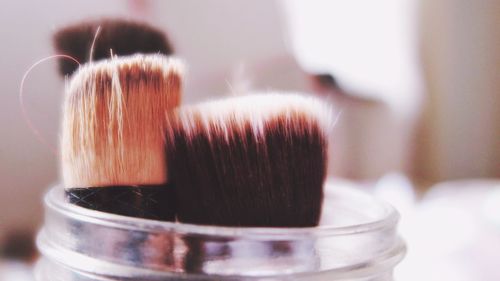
{"x": 356, "y": 241}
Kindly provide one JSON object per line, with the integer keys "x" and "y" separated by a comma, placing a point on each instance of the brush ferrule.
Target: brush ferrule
{"x": 144, "y": 201}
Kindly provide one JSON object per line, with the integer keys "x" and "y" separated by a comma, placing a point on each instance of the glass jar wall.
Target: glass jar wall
{"x": 356, "y": 241}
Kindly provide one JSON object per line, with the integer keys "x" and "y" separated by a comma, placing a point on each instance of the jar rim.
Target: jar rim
{"x": 388, "y": 219}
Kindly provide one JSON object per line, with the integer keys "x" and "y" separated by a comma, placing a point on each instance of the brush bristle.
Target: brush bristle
{"x": 114, "y": 121}
{"x": 256, "y": 160}
{"x": 122, "y": 36}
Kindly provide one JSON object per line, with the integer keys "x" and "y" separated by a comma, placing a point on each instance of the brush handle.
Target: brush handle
{"x": 148, "y": 202}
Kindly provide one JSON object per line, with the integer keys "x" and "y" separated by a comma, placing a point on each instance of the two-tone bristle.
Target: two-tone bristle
{"x": 114, "y": 121}
{"x": 123, "y": 37}
{"x": 257, "y": 160}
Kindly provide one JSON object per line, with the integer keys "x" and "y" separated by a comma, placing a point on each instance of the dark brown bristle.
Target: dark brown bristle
{"x": 250, "y": 161}
{"x": 123, "y": 37}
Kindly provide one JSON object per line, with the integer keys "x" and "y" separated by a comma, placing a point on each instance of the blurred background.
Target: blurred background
{"x": 416, "y": 82}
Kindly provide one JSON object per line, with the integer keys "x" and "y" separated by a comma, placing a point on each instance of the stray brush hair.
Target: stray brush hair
{"x": 255, "y": 160}
{"x": 123, "y": 37}
{"x": 114, "y": 119}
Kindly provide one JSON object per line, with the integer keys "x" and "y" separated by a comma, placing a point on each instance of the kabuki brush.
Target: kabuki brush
{"x": 113, "y": 148}
{"x": 123, "y": 37}
{"x": 249, "y": 161}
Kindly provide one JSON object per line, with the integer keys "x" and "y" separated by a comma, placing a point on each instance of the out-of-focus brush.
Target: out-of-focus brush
{"x": 113, "y": 143}
{"x": 123, "y": 37}
{"x": 257, "y": 160}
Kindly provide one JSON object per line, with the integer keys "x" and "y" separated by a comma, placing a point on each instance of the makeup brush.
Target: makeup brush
{"x": 252, "y": 161}
{"x": 113, "y": 145}
{"x": 124, "y": 37}
{"x": 257, "y": 160}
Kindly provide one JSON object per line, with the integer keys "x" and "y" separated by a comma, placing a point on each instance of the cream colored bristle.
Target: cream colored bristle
{"x": 114, "y": 121}
{"x": 256, "y": 110}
